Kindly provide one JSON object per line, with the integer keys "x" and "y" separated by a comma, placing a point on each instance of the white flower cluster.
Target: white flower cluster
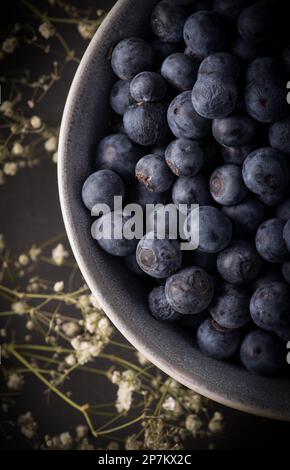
{"x": 15, "y": 381}
{"x": 59, "y": 254}
{"x": 28, "y": 425}
{"x": 128, "y": 383}
{"x": 65, "y": 441}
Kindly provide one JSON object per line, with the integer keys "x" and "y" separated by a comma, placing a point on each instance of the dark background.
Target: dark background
{"x": 30, "y": 212}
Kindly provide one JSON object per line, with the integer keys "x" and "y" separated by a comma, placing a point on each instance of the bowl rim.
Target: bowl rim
{"x": 187, "y": 378}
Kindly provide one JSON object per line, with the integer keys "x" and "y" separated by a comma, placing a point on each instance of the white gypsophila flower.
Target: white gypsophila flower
{"x": 17, "y": 149}
{"x": 15, "y": 381}
{"x": 20, "y": 307}
{"x": 6, "y": 108}
{"x": 59, "y": 254}
{"x": 58, "y": 286}
{"x": 86, "y": 348}
{"x": 172, "y": 405}
{"x": 66, "y": 440}
{"x": 2, "y": 242}
{"x": 86, "y": 30}
{"x": 83, "y": 302}
{"x": 35, "y": 122}
{"x": 27, "y": 424}
{"x": 143, "y": 361}
{"x": 10, "y": 169}
{"x": 34, "y": 252}
{"x": 104, "y": 329}
{"x": 3, "y": 332}
{"x": 30, "y": 325}
{"x": 94, "y": 302}
{"x": 23, "y": 260}
{"x": 70, "y": 360}
{"x": 91, "y": 322}
{"x": 216, "y": 424}
{"x": 70, "y": 328}
{"x": 193, "y": 401}
{"x": 47, "y": 30}
{"x": 50, "y": 144}
{"x": 55, "y": 157}
{"x": 9, "y": 45}
{"x": 193, "y": 424}
{"x": 128, "y": 383}
{"x": 82, "y": 431}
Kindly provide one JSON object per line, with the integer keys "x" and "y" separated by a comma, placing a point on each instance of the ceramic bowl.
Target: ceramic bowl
{"x": 121, "y": 295}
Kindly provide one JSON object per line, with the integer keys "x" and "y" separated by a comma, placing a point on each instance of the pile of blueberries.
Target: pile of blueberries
{"x": 201, "y": 117}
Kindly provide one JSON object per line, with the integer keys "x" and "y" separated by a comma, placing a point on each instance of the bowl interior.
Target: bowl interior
{"x": 122, "y": 295}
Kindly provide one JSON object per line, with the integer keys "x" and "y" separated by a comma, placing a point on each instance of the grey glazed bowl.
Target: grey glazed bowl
{"x": 120, "y": 294}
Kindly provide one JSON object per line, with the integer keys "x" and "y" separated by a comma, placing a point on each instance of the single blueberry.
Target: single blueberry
{"x": 227, "y": 186}
{"x": 167, "y": 21}
{"x": 153, "y": 172}
{"x": 101, "y": 187}
{"x": 185, "y": 157}
{"x": 239, "y": 263}
{"x": 192, "y": 190}
{"x": 180, "y": 71}
{"x": 148, "y": 87}
{"x": 269, "y": 241}
{"x": 230, "y": 306}
{"x": 204, "y": 33}
{"x": 146, "y": 123}
{"x": 246, "y": 216}
{"x": 265, "y": 99}
{"x": 159, "y": 306}
{"x": 255, "y": 23}
{"x": 214, "y": 96}
{"x": 269, "y": 306}
{"x": 189, "y": 291}
{"x": 118, "y": 153}
{"x": 158, "y": 258}
{"x": 261, "y": 353}
{"x": 217, "y": 342}
{"x": 235, "y": 130}
{"x": 220, "y": 64}
{"x": 130, "y": 57}
{"x": 184, "y": 121}
{"x": 279, "y": 135}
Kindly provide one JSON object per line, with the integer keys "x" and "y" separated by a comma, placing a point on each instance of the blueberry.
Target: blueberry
{"x": 246, "y": 216}
{"x": 230, "y": 306}
{"x": 101, "y": 187}
{"x": 227, "y": 186}
{"x": 158, "y": 258}
{"x": 229, "y": 9}
{"x": 269, "y": 306}
{"x": 283, "y": 210}
{"x": 261, "y": 353}
{"x": 159, "y": 306}
{"x": 192, "y": 190}
{"x": 133, "y": 266}
{"x": 215, "y": 229}
{"x": 148, "y": 87}
{"x": 130, "y": 57}
{"x": 204, "y": 33}
{"x": 118, "y": 153}
{"x": 189, "y": 291}
{"x": 246, "y": 51}
{"x": 220, "y": 64}
{"x": 265, "y": 100}
{"x": 146, "y": 123}
{"x": 180, "y": 71}
{"x": 140, "y": 195}
{"x": 167, "y": 21}
{"x": 255, "y": 23}
{"x": 214, "y": 96}
{"x": 192, "y": 322}
{"x": 217, "y": 342}
{"x": 184, "y": 121}
{"x": 279, "y": 135}
{"x": 266, "y": 171}
{"x": 153, "y": 172}
{"x": 184, "y": 157}
{"x": 114, "y": 245}
{"x": 236, "y": 155}
{"x": 120, "y": 97}
{"x": 286, "y": 271}
{"x": 239, "y": 263}
{"x": 269, "y": 241}
{"x": 235, "y": 130}
{"x": 286, "y": 234}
